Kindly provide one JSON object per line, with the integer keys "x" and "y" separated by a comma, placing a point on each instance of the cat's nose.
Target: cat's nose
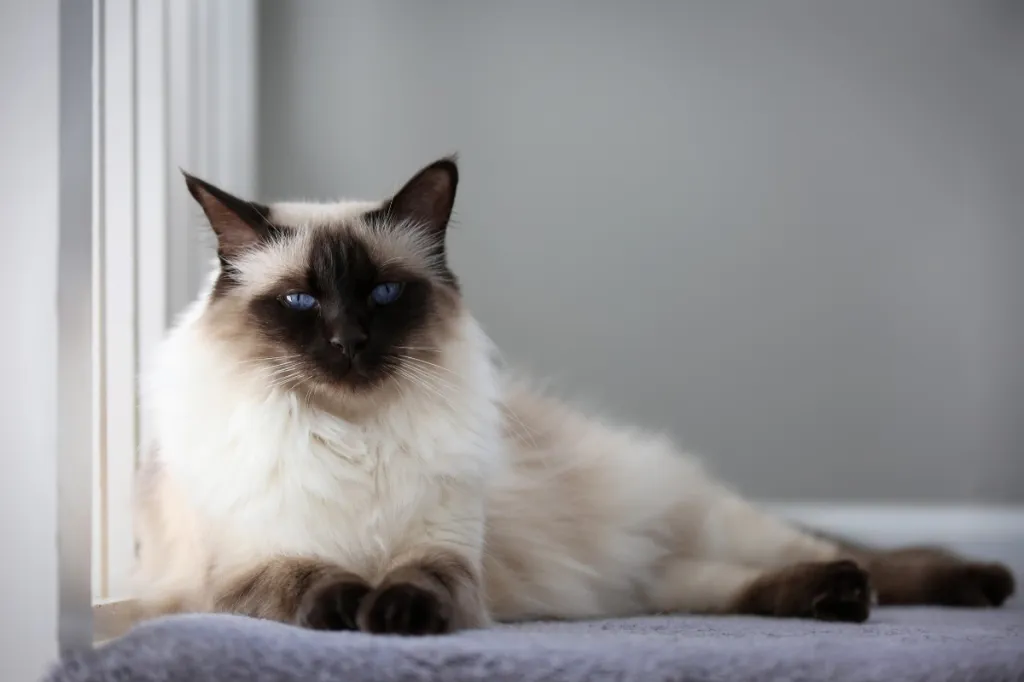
{"x": 350, "y": 343}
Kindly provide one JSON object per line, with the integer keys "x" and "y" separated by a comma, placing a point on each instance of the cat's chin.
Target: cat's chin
{"x": 352, "y": 405}
{"x": 356, "y": 377}
{"x": 350, "y": 394}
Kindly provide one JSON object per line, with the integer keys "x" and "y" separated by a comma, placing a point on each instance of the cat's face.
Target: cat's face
{"x": 344, "y": 297}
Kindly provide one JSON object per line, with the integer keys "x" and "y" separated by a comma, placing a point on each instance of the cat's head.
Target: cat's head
{"x": 336, "y": 297}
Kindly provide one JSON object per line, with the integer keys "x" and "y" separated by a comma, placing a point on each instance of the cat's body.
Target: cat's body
{"x": 428, "y": 490}
{"x": 352, "y": 492}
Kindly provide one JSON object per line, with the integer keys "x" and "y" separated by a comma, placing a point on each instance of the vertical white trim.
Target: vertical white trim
{"x": 177, "y": 89}
{"x": 153, "y": 175}
{"x": 99, "y": 446}
{"x": 75, "y": 295}
{"x": 119, "y": 291}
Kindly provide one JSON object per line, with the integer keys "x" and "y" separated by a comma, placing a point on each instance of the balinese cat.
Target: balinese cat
{"x": 335, "y": 446}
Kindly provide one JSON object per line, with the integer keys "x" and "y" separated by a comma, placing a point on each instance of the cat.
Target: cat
{"x": 337, "y": 446}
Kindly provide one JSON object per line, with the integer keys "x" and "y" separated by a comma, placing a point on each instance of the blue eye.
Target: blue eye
{"x": 387, "y": 292}
{"x": 299, "y": 301}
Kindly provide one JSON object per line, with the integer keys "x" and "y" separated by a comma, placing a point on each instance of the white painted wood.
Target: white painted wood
{"x": 119, "y": 291}
{"x": 177, "y": 90}
{"x": 98, "y": 555}
{"x": 74, "y": 329}
{"x": 45, "y": 351}
{"x": 154, "y": 172}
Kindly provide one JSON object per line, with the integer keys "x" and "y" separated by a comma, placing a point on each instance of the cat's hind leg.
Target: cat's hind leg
{"x": 735, "y": 530}
{"x": 723, "y": 527}
{"x": 826, "y": 590}
{"x": 732, "y": 530}
{"x": 729, "y": 556}
{"x": 931, "y": 575}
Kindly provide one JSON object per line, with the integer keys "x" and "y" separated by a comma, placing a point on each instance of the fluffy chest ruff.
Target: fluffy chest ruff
{"x": 265, "y": 473}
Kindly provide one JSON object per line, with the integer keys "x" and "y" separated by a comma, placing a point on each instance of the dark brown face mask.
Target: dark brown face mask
{"x": 347, "y": 314}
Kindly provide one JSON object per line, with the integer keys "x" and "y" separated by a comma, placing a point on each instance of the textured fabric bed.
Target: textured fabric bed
{"x": 930, "y": 645}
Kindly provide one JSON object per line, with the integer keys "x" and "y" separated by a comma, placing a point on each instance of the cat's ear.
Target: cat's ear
{"x": 427, "y": 199}
{"x": 238, "y": 224}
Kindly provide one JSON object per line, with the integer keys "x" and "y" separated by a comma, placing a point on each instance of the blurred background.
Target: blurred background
{"x": 791, "y": 233}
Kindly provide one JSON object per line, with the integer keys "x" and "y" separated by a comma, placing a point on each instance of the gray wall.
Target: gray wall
{"x": 788, "y": 232}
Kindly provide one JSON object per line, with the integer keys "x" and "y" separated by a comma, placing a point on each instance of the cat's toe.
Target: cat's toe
{"x": 332, "y": 606}
{"x": 841, "y": 592}
{"x": 405, "y": 609}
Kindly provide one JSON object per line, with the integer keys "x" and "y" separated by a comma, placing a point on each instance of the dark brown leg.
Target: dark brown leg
{"x": 833, "y": 590}
{"x": 306, "y": 592}
{"x": 435, "y": 593}
{"x": 918, "y": 576}
{"x": 911, "y": 576}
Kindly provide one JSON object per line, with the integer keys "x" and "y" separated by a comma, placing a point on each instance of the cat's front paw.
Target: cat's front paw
{"x": 332, "y": 605}
{"x": 405, "y": 609}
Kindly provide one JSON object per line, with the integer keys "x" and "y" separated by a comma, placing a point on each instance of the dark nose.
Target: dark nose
{"x": 350, "y": 342}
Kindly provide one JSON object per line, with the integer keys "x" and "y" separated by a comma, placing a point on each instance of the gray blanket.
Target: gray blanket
{"x": 930, "y": 645}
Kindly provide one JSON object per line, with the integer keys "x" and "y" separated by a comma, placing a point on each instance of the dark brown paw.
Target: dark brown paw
{"x": 834, "y": 590}
{"x": 841, "y": 592}
{"x": 972, "y": 584}
{"x": 332, "y": 606}
{"x": 405, "y": 609}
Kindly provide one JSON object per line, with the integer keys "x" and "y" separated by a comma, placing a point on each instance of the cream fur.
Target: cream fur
{"x": 565, "y": 514}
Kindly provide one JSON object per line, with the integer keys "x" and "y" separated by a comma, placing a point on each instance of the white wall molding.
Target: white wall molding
{"x": 130, "y": 228}
{"x": 987, "y": 531}
{"x": 118, "y": 296}
{"x": 176, "y": 90}
{"x": 75, "y": 296}
{"x": 926, "y": 523}
{"x": 154, "y": 172}
{"x": 45, "y": 354}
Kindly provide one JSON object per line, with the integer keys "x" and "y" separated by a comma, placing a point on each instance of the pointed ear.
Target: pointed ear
{"x": 237, "y": 223}
{"x": 428, "y": 198}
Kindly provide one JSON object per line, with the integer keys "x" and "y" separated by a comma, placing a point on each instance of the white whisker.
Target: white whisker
{"x": 524, "y": 431}
{"x": 424, "y": 383}
{"x": 424, "y": 348}
{"x": 432, "y": 364}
